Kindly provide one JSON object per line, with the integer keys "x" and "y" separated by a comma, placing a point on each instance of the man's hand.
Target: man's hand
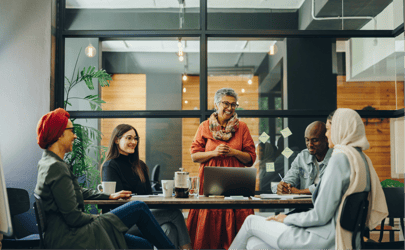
{"x": 283, "y": 188}
{"x": 121, "y": 194}
{"x": 279, "y": 218}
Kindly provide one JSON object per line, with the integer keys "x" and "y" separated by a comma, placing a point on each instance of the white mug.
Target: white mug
{"x": 167, "y": 187}
{"x": 107, "y": 187}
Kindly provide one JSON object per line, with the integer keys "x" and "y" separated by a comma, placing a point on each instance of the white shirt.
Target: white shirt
{"x": 317, "y": 164}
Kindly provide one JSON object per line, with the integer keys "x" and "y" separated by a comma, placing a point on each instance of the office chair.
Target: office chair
{"x": 41, "y": 219}
{"x": 395, "y": 203}
{"x": 353, "y": 217}
{"x": 19, "y": 203}
{"x": 155, "y": 185}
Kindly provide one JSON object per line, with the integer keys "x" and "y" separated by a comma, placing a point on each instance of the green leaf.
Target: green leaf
{"x": 89, "y": 83}
{"x": 391, "y": 183}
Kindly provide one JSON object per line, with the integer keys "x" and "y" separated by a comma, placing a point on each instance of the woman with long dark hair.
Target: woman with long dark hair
{"x": 123, "y": 166}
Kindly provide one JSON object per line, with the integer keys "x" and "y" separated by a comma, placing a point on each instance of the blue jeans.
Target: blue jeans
{"x": 138, "y": 213}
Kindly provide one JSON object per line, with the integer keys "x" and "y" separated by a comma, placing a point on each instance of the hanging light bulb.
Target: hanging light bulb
{"x": 243, "y": 90}
{"x": 185, "y": 101}
{"x": 250, "y": 81}
{"x": 184, "y": 79}
{"x": 184, "y": 90}
{"x": 181, "y": 53}
{"x": 90, "y": 51}
{"x": 179, "y": 43}
{"x": 181, "y": 58}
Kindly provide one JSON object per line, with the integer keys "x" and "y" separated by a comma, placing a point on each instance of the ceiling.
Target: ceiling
{"x": 163, "y": 4}
{"x": 151, "y": 54}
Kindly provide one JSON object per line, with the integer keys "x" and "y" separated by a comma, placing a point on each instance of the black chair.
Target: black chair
{"x": 155, "y": 184}
{"x": 395, "y": 203}
{"x": 353, "y": 216}
{"x": 19, "y": 203}
{"x": 41, "y": 218}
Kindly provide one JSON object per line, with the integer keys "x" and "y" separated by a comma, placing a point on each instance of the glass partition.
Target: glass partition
{"x": 304, "y": 15}
{"x": 147, "y": 74}
{"x": 132, "y": 15}
{"x": 252, "y": 67}
{"x": 374, "y": 78}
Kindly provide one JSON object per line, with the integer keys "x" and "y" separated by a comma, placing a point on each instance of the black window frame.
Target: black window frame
{"x": 203, "y": 33}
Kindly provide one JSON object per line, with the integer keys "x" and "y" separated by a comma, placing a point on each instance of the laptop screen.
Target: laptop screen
{"x": 229, "y": 181}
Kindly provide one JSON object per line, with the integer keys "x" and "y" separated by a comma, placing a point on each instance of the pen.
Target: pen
{"x": 281, "y": 177}
{"x": 289, "y": 190}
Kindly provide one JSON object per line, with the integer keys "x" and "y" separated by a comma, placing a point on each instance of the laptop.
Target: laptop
{"x": 229, "y": 181}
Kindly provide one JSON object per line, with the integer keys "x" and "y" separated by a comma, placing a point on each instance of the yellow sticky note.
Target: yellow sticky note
{"x": 264, "y": 137}
{"x": 286, "y": 132}
{"x": 287, "y": 152}
{"x": 269, "y": 166}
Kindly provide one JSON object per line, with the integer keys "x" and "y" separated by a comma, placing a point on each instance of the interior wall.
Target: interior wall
{"x": 120, "y": 95}
{"x": 381, "y": 96}
{"x": 25, "y": 69}
{"x": 163, "y": 135}
{"x": 311, "y": 83}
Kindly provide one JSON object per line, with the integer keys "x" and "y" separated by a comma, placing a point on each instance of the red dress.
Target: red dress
{"x": 216, "y": 228}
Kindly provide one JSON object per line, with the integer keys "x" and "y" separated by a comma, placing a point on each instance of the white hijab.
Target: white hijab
{"x": 348, "y": 132}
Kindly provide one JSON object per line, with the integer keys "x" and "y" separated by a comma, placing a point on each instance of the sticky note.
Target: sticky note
{"x": 269, "y": 166}
{"x": 263, "y": 137}
{"x": 287, "y": 152}
{"x": 286, "y": 132}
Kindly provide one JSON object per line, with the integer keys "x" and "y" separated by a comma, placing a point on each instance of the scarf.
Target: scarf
{"x": 223, "y": 134}
{"x": 348, "y": 132}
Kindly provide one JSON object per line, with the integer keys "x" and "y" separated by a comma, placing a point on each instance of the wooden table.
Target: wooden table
{"x": 205, "y": 203}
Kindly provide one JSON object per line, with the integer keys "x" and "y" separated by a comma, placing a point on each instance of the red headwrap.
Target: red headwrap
{"x": 51, "y": 126}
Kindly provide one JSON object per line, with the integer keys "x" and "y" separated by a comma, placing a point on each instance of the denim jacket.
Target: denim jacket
{"x": 303, "y": 172}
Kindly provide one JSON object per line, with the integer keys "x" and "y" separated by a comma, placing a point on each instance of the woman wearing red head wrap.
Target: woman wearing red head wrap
{"x": 67, "y": 225}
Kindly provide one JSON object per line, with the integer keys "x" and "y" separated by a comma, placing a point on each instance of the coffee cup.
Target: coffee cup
{"x": 107, "y": 187}
{"x": 167, "y": 187}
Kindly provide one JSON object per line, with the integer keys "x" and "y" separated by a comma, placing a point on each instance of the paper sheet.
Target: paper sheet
{"x": 285, "y": 196}
{"x": 269, "y": 166}
{"x": 286, "y": 132}
{"x": 287, "y": 152}
{"x": 264, "y": 137}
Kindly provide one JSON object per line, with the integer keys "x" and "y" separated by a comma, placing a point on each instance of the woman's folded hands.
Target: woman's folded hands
{"x": 121, "y": 194}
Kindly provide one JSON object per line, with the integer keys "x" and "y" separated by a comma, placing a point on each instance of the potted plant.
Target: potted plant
{"x": 86, "y": 155}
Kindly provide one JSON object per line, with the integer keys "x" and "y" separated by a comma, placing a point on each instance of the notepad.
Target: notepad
{"x": 285, "y": 196}
{"x": 236, "y": 198}
{"x": 147, "y": 196}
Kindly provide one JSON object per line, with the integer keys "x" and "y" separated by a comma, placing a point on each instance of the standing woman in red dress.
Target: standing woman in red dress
{"x": 221, "y": 141}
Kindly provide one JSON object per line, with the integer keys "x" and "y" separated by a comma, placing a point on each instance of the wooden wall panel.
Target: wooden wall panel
{"x": 382, "y": 96}
{"x": 126, "y": 92}
{"x": 247, "y": 100}
{"x": 189, "y": 128}
{"x": 191, "y": 98}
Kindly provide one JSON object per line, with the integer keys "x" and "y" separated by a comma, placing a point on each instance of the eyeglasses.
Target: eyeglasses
{"x": 73, "y": 130}
{"x": 130, "y": 138}
{"x": 227, "y": 104}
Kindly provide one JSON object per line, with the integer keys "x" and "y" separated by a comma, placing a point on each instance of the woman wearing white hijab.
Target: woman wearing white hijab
{"x": 349, "y": 171}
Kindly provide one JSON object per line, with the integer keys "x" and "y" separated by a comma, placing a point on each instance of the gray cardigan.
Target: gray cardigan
{"x": 316, "y": 228}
